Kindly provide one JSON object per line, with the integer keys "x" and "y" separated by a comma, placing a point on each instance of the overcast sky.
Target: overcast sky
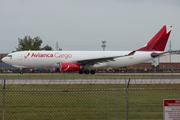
{"x": 83, "y": 24}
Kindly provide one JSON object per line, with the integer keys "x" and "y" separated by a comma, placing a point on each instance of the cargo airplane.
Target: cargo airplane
{"x": 85, "y": 61}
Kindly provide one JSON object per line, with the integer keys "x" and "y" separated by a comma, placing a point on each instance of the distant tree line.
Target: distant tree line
{"x": 27, "y": 43}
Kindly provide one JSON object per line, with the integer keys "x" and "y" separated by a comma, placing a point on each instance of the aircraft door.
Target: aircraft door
{"x": 19, "y": 56}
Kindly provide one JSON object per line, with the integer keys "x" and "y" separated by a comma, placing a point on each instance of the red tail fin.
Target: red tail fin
{"x": 159, "y": 41}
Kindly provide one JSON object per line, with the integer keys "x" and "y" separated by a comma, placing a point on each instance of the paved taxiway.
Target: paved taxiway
{"x": 24, "y": 81}
{"x": 165, "y": 78}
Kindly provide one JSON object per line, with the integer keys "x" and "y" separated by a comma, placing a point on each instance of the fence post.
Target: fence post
{"x": 4, "y": 92}
{"x": 127, "y": 85}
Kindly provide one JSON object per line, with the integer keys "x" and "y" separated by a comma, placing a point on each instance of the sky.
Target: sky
{"x": 83, "y": 24}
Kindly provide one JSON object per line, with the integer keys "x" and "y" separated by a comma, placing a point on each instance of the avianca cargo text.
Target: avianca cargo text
{"x": 48, "y": 55}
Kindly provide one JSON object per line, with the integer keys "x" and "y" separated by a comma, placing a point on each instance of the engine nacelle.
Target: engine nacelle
{"x": 55, "y": 70}
{"x": 69, "y": 67}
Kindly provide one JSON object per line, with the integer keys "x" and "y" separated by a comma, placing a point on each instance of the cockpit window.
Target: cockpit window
{"x": 9, "y": 56}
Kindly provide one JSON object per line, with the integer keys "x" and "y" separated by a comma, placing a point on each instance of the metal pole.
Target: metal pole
{"x": 4, "y": 92}
{"x": 103, "y": 45}
{"x": 127, "y": 85}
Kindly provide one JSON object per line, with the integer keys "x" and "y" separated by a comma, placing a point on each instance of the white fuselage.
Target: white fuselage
{"x": 26, "y": 59}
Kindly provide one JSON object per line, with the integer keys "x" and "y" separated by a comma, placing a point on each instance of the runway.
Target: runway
{"x": 91, "y": 80}
{"x": 98, "y": 78}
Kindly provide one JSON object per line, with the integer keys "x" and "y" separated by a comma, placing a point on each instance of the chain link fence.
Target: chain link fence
{"x": 85, "y": 98}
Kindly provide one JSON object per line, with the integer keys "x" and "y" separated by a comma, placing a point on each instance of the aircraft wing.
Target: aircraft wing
{"x": 102, "y": 59}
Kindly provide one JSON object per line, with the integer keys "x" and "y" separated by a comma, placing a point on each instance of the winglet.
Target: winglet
{"x": 159, "y": 41}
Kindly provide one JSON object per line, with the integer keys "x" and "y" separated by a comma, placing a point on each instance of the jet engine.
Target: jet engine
{"x": 54, "y": 70}
{"x": 69, "y": 67}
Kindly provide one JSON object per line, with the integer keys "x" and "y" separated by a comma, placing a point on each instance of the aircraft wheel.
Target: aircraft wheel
{"x": 86, "y": 71}
{"x": 93, "y": 72}
{"x": 80, "y": 72}
{"x": 21, "y": 72}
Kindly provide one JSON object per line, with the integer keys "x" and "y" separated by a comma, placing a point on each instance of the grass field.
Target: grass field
{"x": 85, "y": 105}
{"x": 86, "y": 101}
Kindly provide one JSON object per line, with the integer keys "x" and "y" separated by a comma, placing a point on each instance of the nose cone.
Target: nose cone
{"x": 2, "y": 59}
{"x": 5, "y": 60}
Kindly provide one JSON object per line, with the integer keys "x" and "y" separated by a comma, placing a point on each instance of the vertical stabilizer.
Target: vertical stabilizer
{"x": 159, "y": 41}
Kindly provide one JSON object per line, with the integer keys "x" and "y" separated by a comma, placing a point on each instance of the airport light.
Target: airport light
{"x": 103, "y": 45}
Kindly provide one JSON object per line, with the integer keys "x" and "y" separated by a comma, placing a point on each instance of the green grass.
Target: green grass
{"x": 86, "y": 86}
{"x": 100, "y": 105}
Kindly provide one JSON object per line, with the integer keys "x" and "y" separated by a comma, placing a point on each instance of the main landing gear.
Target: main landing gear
{"x": 21, "y": 71}
{"x": 87, "y": 72}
